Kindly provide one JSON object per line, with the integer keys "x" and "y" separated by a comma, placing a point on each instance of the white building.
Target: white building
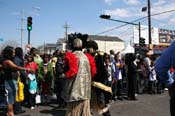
{"x": 48, "y": 48}
{"x": 61, "y": 44}
{"x": 105, "y": 44}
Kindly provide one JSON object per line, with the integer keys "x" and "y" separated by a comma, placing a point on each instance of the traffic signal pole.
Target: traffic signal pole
{"x": 28, "y": 37}
{"x": 109, "y": 18}
{"x": 139, "y": 37}
{"x": 123, "y": 21}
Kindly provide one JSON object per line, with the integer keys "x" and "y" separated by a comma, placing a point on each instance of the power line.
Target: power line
{"x": 127, "y": 29}
{"x": 152, "y": 19}
{"x": 163, "y": 12}
{"x": 134, "y": 21}
{"x": 111, "y": 29}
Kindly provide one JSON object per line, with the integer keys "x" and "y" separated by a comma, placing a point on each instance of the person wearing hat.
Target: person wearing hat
{"x": 77, "y": 90}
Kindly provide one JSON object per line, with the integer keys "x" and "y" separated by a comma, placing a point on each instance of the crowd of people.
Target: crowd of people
{"x": 69, "y": 75}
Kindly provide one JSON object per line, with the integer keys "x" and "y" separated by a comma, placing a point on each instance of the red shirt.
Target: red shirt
{"x": 171, "y": 69}
{"x": 32, "y": 65}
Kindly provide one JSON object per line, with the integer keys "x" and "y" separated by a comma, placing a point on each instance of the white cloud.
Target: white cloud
{"x": 163, "y": 8}
{"x": 172, "y": 21}
{"x": 159, "y": 2}
{"x": 132, "y": 2}
{"x": 118, "y": 12}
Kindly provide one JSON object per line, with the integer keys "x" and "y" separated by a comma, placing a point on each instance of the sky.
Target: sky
{"x": 50, "y": 16}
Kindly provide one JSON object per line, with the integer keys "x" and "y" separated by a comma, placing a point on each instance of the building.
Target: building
{"x": 48, "y": 48}
{"x": 105, "y": 44}
{"x": 61, "y": 44}
{"x": 160, "y": 39}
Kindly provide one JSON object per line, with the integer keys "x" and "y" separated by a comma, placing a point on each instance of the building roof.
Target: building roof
{"x": 50, "y": 45}
{"x": 60, "y": 40}
{"x": 104, "y": 38}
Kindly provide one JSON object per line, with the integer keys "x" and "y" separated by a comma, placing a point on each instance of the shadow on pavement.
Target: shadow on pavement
{"x": 54, "y": 112}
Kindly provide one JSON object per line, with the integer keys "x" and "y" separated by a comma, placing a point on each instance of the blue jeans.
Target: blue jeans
{"x": 10, "y": 87}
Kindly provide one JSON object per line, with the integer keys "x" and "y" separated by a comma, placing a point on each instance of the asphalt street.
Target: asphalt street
{"x": 146, "y": 105}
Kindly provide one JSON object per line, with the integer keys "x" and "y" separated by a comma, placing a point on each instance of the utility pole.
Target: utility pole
{"x": 149, "y": 25}
{"x": 44, "y": 47}
{"x": 22, "y": 29}
{"x": 139, "y": 37}
{"x": 66, "y": 26}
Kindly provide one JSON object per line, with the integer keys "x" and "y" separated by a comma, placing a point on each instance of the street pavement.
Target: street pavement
{"x": 146, "y": 105}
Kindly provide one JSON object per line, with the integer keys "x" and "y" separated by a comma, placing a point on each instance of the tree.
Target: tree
{"x": 12, "y": 43}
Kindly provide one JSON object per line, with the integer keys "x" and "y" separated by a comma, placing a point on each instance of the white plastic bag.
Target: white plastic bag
{"x": 38, "y": 99}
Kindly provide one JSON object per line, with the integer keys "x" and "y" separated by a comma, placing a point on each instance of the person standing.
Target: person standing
{"x": 108, "y": 67}
{"x": 152, "y": 79}
{"x": 162, "y": 66}
{"x": 10, "y": 74}
{"x": 45, "y": 74}
{"x": 37, "y": 57}
{"x": 100, "y": 98}
{"x": 18, "y": 60}
{"x": 117, "y": 66}
{"x": 111, "y": 55}
{"x": 77, "y": 90}
{"x": 31, "y": 79}
{"x": 131, "y": 74}
{"x": 60, "y": 79}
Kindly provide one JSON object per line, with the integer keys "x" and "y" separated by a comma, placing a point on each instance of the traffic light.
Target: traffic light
{"x": 142, "y": 41}
{"x": 29, "y": 23}
{"x": 105, "y": 16}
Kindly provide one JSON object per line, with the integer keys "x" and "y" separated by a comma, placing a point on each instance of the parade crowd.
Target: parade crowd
{"x": 69, "y": 76}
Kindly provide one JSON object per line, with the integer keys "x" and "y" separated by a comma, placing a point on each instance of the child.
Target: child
{"x": 32, "y": 89}
{"x": 152, "y": 79}
{"x": 32, "y": 83}
{"x": 108, "y": 67}
{"x": 45, "y": 74}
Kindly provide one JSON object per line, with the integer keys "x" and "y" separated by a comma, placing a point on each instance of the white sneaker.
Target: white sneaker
{"x": 32, "y": 108}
